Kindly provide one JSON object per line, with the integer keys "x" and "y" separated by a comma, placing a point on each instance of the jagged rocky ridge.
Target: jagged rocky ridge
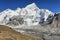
{"x": 32, "y": 20}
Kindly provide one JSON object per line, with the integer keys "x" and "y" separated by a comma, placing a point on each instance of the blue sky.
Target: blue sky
{"x": 52, "y": 5}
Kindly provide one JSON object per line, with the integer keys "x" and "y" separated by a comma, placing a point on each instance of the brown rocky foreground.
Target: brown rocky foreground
{"x": 7, "y": 33}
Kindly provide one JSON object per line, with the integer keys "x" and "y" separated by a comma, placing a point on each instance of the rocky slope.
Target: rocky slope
{"x": 7, "y": 33}
{"x": 47, "y": 31}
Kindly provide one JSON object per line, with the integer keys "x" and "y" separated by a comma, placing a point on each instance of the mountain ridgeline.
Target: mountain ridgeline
{"x": 29, "y": 16}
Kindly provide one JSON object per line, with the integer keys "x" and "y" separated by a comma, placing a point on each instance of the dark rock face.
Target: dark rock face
{"x": 54, "y": 27}
{"x": 53, "y": 32}
{"x": 48, "y": 21}
{"x": 58, "y": 20}
{"x": 15, "y": 21}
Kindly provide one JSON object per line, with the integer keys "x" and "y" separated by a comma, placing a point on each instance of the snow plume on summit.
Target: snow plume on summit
{"x": 31, "y": 15}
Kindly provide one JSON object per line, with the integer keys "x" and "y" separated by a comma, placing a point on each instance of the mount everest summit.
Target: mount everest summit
{"x": 29, "y": 15}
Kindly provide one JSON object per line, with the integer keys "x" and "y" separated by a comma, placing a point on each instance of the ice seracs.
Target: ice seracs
{"x": 31, "y": 14}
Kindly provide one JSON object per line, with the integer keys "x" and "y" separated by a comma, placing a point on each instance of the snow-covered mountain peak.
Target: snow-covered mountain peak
{"x": 32, "y": 6}
{"x": 9, "y": 12}
{"x": 31, "y": 12}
